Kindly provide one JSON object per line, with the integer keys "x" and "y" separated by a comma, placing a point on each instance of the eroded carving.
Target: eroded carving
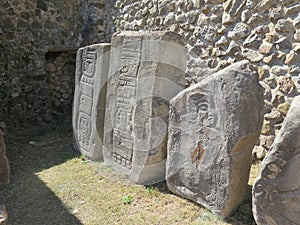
{"x": 206, "y": 163}
{"x": 89, "y": 99}
{"x": 135, "y": 131}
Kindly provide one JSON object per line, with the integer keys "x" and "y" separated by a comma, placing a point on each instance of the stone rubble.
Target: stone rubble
{"x": 222, "y": 32}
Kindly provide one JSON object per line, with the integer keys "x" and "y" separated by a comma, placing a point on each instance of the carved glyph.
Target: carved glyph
{"x": 89, "y": 99}
{"x": 213, "y": 126}
{"x": 146, "y": 71}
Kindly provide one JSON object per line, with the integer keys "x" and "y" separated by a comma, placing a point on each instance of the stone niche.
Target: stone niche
{"x": 60, "y": 69}
{"x": 146, "y": 70}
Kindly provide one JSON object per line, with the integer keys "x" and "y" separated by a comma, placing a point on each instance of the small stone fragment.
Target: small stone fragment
{"x": 265, "y": 47}
{"x": 284, "y": 107}
{"x": 286, "y": 84}
{"x": 240, "y": 31}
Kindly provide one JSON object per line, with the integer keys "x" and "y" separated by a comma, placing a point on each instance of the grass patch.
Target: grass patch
{"x": 51, "y": 184}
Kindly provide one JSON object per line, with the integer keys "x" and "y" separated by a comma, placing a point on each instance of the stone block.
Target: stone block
{"x": 276, "y": 191}
{"x": 4, "y": 165}
{"x": 146, "y": 70}
{"x": 213, "y": 128}
{"x": 89, "y": 99}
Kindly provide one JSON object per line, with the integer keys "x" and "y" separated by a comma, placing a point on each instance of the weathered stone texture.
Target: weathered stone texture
{"x": 4, "y": 165}
{"x": 213, "y": 128}
{"x": 89, "y": 99}
{"x": 276, "y": 191}
{"x": 218, "y": 33}
{"x": 146, "y": 70}
{"x": 29, "y": 29}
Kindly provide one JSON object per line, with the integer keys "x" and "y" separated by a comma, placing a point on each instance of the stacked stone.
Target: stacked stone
{"x": 61, "y": 70}
{"x": 218, "y": 33}
{"x": 28, "y": 30}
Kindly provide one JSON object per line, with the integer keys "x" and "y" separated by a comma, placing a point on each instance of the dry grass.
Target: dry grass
{"x": 51, "y": 185}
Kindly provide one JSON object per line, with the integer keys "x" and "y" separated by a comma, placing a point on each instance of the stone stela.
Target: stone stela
{"x": 213, "y": 128}
{"x": 140, "y": 69}
{"x": 89, "y": 99}
{"x": 131, "y": 111}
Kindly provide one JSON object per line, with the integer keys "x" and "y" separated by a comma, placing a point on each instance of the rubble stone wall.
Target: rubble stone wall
{"x": 218, "y": 33}
{"x": 31, "y": 86}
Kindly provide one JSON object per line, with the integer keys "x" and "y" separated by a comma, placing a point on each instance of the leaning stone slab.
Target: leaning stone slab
{"x": 146, "y": 70}
{"x": 213, "y": 127}
{"x": 4, "y": 165}
{"x": 276, "y": 191}
{"x": 89, "y": 99}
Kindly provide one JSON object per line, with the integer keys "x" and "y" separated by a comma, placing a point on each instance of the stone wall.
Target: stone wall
{"x": 218, "y": 33}
{"x": 31, "y": 31}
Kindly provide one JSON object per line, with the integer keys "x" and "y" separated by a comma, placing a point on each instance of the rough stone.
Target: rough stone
{"x": 146, "y": 70}
{"x": 205, "y": 163}
{"x": 233, "y": 7}
{"x": 284, "y": 25}
{"x": 4, "y": 165}
{"x": 240, "y": 31}
{"x": 89, "y": 99}
{"x": 252, "y": 41}
{"x": 292, "y": 58}
{"x": 267, "y": 128}
{"x": 297, "y": 35}
{"x": 292, "y": 10}
{"x": 276, "y": 191}
{"x": 266, "y": 141}
{"x": 252, "y": 56}
{"x": 265, "y": 48}
{"x": 284, "y": 107}
{"x": 286, "y": 85}
{"x": 259, "y": 152}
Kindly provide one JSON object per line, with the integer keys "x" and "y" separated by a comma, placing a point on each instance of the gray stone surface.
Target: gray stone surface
{"x": 4, "y": 165}
{"x": 92, "y": 65}
{"x": 146, "y": 70}
{"x": 213, "y": 128}
{"x": 276, "y": 191}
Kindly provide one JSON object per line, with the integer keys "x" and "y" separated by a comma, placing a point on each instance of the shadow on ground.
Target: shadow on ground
{"x": 31, "y": 150}
{"x": 242, "y": 213}
{"x": 30, "y": 201}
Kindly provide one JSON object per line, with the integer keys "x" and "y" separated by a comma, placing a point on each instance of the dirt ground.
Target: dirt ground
{"x": 53, "y": 185}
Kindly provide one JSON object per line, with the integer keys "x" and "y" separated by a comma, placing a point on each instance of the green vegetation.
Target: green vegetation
{"x": 51, "y": 184}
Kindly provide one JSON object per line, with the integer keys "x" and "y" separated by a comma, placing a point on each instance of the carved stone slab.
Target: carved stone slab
{"x": 92, "y": 65}
{"x": 146, "y": 70}
{"x": 276, "y": 191}
{"x": 4, "y": 165}
{"x": 213, "y": 126}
